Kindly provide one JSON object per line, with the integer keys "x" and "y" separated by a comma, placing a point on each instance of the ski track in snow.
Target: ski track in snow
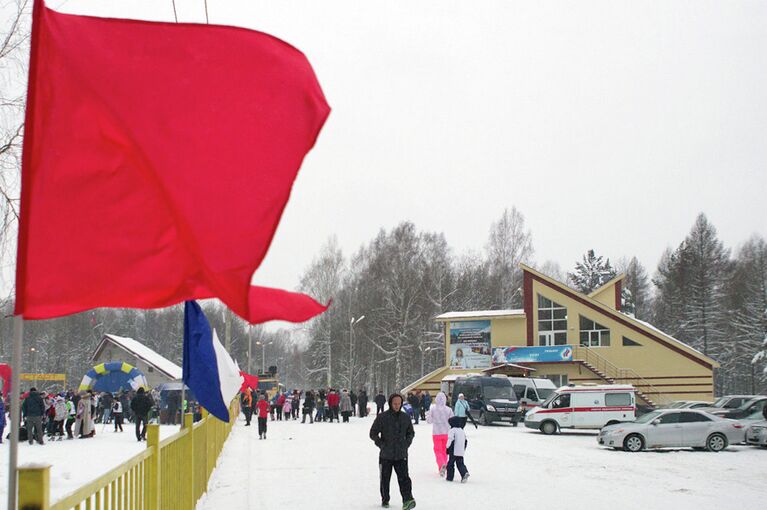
{"x": 335, "y": 465}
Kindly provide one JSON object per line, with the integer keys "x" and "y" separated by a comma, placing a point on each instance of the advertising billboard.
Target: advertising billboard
{"x": 470, "y": 344}
{"x": 542, "y": 354}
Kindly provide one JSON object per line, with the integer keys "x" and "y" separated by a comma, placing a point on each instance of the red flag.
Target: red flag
{"x": 248, "y": 381}
{"x": 158, "y": 159}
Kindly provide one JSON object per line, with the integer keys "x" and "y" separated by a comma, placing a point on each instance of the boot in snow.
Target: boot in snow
{"x": 465, "y": 478}
{"x": 408, "y": 505}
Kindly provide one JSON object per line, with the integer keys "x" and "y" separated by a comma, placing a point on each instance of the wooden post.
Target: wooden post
{"x": 34, "y": 487}
{"x": 152, "y": 477}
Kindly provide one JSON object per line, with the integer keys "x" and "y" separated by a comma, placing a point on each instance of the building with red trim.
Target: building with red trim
{"x": 571, "y": 337}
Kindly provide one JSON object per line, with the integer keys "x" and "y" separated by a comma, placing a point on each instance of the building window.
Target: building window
{"x": 552, "y": 322}
{"x": 627, "y": 342}
{"x": 593, "y": 334}
{"x": 558, "y": 380}
{"x": 150, "y": 369}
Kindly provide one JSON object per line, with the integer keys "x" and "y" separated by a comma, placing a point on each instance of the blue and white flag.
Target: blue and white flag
{"x": 209, "y": 371}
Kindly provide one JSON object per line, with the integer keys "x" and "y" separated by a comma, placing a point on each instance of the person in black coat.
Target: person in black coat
{"x": 380, "y": 400}
{"x": 308, "y": 408}
{"x": 415, "y": 402}
{"x": 141, "y": 405}
{"x": 353, "y": 398}
{"x": 32, "y": 410}
{"x": 362, "y": 403}
{"x": 393, "y": 433}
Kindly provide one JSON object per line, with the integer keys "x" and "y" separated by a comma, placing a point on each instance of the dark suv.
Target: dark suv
{"x": 490, "y": 399}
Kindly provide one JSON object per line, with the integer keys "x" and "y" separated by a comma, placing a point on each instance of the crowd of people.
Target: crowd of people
{"x": 75, "y": 414}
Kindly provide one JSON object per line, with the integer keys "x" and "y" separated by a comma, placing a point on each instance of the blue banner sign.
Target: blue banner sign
{"x": 542, "y": 354}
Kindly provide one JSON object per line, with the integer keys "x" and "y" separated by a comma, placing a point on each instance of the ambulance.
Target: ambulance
{"x": 584, "y": 407}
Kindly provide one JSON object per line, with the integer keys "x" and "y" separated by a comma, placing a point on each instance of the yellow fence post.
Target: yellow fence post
{"x": 34, "y": 487}
{"x": 152, "y": 474}
{"x": 189, "y": 454}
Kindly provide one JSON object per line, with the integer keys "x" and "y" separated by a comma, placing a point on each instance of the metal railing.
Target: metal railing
{"x": 623, "y": 375}
{"x": 169, "y": 474}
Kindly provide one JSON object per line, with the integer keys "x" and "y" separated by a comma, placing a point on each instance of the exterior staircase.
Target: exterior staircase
{"x": 615, "y": 375}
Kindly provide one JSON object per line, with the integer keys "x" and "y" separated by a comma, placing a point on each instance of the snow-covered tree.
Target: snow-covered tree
{"x": 591, "y": 273}
{"x": 636, "y": 288}
{"x": 509, "y": 244}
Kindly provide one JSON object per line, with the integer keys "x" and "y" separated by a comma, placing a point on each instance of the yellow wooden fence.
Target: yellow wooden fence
{"x": 170, "y": 474}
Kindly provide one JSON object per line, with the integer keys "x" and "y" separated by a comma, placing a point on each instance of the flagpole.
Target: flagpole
{"x": 18, "y": 331}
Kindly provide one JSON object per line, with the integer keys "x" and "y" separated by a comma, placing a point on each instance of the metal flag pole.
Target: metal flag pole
{"x": 18, "y": 331}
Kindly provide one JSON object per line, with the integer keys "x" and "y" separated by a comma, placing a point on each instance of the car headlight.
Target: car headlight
{"x": 490, "y": 408}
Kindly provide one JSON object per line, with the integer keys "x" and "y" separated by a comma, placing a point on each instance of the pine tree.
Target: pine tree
{"x": 591, "y": 273}
{"x": 636, "y": 288}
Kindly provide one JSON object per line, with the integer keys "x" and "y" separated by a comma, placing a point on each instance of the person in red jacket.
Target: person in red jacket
{"x": 280, "y": 403}
{"x": 334, "y": 400}
{"x": 263, "y": 411}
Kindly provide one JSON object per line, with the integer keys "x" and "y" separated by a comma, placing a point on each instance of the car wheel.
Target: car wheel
{"x": 548, "y": 427}
{"x": 633, "y": 443}
{"x": 716, "y": 443}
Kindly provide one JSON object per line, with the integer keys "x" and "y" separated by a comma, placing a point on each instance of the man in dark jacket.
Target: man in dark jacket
{"x": 393, "y": 433}
{"x": 415, "y": 402}
{"x": 380, "y": 400}
{"x": 362, "y": 403}
{"x": 308, "y": 407}
{"x": 141, "y": 405}
{"x": 32, "y": 410}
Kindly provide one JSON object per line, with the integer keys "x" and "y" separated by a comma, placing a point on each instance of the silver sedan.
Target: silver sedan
{"x": 756, "y": 433}
{"x": 673, "y": 428}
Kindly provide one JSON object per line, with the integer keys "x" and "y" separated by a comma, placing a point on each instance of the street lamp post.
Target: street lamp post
{"x": 352, "y": 323}
{"x": 263, "y": 354}
{"x": 34, "y": 359}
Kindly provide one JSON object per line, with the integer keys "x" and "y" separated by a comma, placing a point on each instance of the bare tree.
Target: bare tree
{"x": 509, "y": 244}
{"x": 15, "y": 28}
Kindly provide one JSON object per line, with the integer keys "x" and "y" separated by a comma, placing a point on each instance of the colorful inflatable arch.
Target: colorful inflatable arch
{"x": 112, "y": 377}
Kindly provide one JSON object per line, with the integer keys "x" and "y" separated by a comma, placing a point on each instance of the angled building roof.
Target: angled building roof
{"x": 643, "y": 327}
{"x": 141, "y": 351}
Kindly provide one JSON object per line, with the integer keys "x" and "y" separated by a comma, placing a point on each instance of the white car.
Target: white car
{"x": 756, "y": 433}
{"x": 673, "y": 428}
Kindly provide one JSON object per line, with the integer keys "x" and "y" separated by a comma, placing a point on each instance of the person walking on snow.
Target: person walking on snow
{"x": 438, "y": 415}
{"x": 380, "y": 400}
{"x": 393, "y": 433}
{"x": 287, "y": 407}
{"x": 456, "y": 448}
{"x": 308, "y": 407}
{"x": 334, "y": 399}
{"x": 461, "y": 410}
{"x": 117, "y": 414}
{"x": 362, "y": 404}
{"x": 262, "y": 407}
{"x": 246, "y": 403}
{"x": 295, "y": 404}
{"x": 141, "y": 405}
{"x": 425, "y": 404}
{"x": 346, "y": 406}
{"x": 280, "y": 402}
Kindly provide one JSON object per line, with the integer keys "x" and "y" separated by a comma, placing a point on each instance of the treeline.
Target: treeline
{"x": 701, "y": 293}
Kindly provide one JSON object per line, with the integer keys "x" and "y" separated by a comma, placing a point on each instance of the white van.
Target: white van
{"x": 532, "y": 391}
{"x": 583, "y": 407}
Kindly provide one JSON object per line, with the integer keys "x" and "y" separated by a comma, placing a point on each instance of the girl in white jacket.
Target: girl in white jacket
{"x": 456, "y": 448}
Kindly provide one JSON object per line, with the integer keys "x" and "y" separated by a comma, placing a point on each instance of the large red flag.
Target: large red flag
{"x": 158, "y": 159}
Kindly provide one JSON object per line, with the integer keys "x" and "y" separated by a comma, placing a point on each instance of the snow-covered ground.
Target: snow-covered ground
{"x": 335, "y": 466}
{"x": 76, "y": 462}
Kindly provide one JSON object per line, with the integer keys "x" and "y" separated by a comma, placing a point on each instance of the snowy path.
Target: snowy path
{"x": 76, "y": 462}
{"x": 334, "y": 466}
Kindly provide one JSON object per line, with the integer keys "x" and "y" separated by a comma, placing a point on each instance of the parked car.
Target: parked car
{"x": 688, "y": 404}
{"x": 583, "y": 407}
{"x": 752, "y": 406}
{"x": 490, "y": 398}
{"x": 532, "y": 391}
{"x": 756, "y": 433}
{"x": 673, "y": 428}
{"x": 728, "y": 402}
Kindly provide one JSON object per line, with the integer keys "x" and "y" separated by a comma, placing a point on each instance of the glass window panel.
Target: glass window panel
{"x": 543, "y": 302}
{"x": 586, "y": 323}
{"x": 544, "y": 326}
{"x": 560, "y": 338}
{"x": 541, "y": 339}
{"x": 606, "y": 338}
{"x": 598, "y": 326}
{"x": 585, "y": 338}
{"x": 560, "y": 325}
{"x": 618, "y": 399}
{"x": 544, "y": 314}
{"x": 560, "y": 313}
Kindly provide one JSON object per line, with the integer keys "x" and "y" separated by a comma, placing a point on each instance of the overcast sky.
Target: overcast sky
{"x": 609, "y": 124}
